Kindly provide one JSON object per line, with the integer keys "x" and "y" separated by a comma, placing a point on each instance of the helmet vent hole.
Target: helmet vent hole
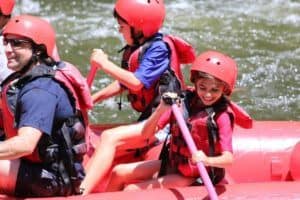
{"x": 218, "y": 63}
{"x": 208, "y": 59}
{"x": 17, "y": 20}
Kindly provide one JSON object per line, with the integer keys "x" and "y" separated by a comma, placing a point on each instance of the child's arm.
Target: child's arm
{"x": 151, "y": 125}
{"x": 225, "y": 135}
{"x": 224, "y": 160}
{"x": 159, "y": 115}
{"x": 125, "y": 77}
{"x": 111, "y": 90}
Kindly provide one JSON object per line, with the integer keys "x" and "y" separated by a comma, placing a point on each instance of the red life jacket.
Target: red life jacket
{"x": 198, "y": 124}
{"x": 179, "y": 152}
{"x": 66, "y": 74}
{"x": 181, "y": 53}
{"x": 71, "y": 77}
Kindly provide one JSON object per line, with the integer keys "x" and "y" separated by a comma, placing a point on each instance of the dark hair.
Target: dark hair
{"x": 40, "y": 54}
{"x": 6, "y": 16}
{"x": 117, "y": 16}
{"x": 135, "y": 36}
{"x": 195, "y": 75}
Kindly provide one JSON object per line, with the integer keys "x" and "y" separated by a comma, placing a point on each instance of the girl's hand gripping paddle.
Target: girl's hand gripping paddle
{"x": 192, "y": 147}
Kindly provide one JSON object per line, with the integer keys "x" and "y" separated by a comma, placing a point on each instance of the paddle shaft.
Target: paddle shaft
{"x": 193, "y": 149}
{"x": 91, "y": 75}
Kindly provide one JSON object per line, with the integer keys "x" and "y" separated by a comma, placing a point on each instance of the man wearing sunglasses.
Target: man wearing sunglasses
{"x": 6, "y": 8}
{"x": 44, "y": 107}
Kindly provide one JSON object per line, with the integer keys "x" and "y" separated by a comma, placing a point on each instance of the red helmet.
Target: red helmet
{"x": 145, "y": 15}
{"x": 38, "y": 30}
{"x": 6, "y": 6}
{"x": 218, "y": 65}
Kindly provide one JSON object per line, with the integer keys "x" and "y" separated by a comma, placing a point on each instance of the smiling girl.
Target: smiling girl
{"x": 206, "y": 110}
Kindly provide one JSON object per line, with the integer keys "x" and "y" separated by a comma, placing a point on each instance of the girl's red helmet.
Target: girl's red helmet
{"x": 6, "y": 6}
{"x": 145, "y": 15}
{"x": 218, "y": 65}
{"x": 37, "y": 29}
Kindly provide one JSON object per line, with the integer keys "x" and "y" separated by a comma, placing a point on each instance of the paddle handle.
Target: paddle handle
{"x": 193, "y": 149}
{"x": 91, "y": 75}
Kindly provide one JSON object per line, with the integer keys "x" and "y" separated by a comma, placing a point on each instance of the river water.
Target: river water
{"x": 263, "y": 36}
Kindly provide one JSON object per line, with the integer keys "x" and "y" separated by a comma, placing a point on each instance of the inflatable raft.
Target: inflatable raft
{"x": 266, "y": 166}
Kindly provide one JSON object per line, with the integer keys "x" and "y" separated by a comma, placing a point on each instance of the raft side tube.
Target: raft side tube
{"x": 264, "y": 152}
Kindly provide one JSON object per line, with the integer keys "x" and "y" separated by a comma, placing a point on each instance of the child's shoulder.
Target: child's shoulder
{"x": 155, "y": 45}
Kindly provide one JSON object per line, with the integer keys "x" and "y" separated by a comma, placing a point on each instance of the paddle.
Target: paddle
{"x": 193, "y": 149}
{"x": 91, "y": 75}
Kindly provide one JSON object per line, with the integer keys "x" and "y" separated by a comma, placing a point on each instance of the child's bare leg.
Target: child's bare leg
{"x": 120, "y": 137}
{"x": 168, "y": 181}
{"x": 123, "y": 174}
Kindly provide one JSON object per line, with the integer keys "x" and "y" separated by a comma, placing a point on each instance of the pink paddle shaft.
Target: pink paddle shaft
{"x": 91, "y": 76}
{"x": 193, "y": 149}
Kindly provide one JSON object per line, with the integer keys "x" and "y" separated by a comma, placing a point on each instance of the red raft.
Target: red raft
{"x": 266, "y": 166}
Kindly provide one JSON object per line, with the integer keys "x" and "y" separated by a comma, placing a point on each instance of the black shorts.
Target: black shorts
{"x": 35, "y": 180}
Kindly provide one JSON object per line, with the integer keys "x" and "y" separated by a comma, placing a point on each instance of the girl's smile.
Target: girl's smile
{"x": 209, "y": 90}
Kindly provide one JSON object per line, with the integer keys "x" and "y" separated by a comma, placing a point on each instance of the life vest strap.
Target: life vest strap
{"x": 69, "y": 158}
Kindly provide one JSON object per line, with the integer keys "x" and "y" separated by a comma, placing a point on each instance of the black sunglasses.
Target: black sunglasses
{"x": 15, "y": 42}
